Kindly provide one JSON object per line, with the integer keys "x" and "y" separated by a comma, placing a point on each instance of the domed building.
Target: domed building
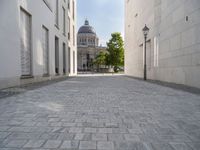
{"x": 87, "y": 35}
{"x": 88, "y": 47}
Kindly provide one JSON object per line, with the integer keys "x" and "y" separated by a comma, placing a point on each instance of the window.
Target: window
{"x": 69, "y": 59}
{"x": 64, "y": 22}
{"x": 57, "y": 14}
{"x": 68, "y": 5}
{"x": 156, "y": 51}
{"x": 64, "y": 58}
{"x": 73, "y": 9}
{"x": 56, "y": 55}
{"x": 69, "y": 24}
{"x": 73, "y": 35}
{"x": 74, "y": 62}
{"x": 45, "y": 45}
{"x": 26, "y": 50}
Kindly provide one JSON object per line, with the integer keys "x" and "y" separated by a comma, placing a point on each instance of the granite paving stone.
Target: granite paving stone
{"x": 70, "y": 145}
{"x": 105, "y": 146}
{"x": 125, "y": 145}
{"x": 88, "y": 145}
{"x": 163, "y": 146}
{"x": 81, "y": 136}
{"x": 65, "y": 136}
{"x": 132, "y": 137}
{"x": 90, "y": 130}
{"x": 16, "y": 143}
{"x": 4, "y": 134}
{"x": 180, "y": 146}
{"x": 100, "y": 112}
{"x": 52, "y": 144}
{"x": 75, "y": 130}
{"x": 105, "y": 130}
{"x": 34, "y": 144}
{"x": 99, "y": 137}
{"x": 115, "y": 137}
{"x": 194, "y": 146}
{"x": 4, "y": 128}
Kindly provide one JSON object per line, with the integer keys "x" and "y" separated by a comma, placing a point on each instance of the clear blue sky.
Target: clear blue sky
{"x": 106, "y": 16}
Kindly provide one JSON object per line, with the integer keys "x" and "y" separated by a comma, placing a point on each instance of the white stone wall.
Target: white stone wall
{"x": 72, "y": 43}
{"x": 173, "y": 48}
{"x": 41, "y": 15}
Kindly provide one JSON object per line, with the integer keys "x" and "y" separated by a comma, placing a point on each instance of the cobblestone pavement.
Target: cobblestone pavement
{"x": 103, "y": 113}
{"x": 23, "y": 88}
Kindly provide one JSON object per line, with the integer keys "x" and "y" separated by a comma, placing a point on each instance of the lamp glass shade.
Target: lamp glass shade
{"x": 145, "y": 30}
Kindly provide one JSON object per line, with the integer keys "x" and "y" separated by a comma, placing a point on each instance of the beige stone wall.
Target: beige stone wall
{"x": 173, "y": 48}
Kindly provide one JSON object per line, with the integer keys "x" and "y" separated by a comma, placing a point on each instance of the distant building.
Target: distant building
{"x": 173, "y": 44}
{"x": 88, "y": 47}
{"x": 38, "y": 41}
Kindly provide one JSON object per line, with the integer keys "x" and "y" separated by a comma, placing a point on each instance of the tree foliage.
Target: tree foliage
{"x": 115, "y": 48}
{"x": 114, "y": 56}
{"x": 101, "y": 59}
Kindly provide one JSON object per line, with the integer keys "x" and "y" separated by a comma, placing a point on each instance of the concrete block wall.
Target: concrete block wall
{"x": 173, "y": 46}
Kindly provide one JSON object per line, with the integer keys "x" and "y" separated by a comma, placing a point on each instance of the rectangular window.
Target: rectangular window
{"x": 26, "y": 52}
{"x": 74, "y": 62}
{"x": 64, "y": 58}
{"x": 45, "y": 47}
{"x": 64, "y": 22}
{"x": 68, "y": 5}
{"x": 56, "y": 55}
{"x": 57, "y": 14}
{"x": 73, "y": 9}
{"x": 156, "y": 49}
{"x": 69, "y": 24}
{"x": 73, "y": 35}
{"x": 69, "y": 60}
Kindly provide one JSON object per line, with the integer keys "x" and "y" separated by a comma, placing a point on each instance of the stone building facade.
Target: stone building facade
{"x": 173, "y": 44}
{"x": 88, "y": 47}
{"x": 35, "y": 39}
{"x": 72, "y": 38}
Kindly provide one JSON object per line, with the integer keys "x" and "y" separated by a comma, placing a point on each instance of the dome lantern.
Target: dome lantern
{"x": 86, "y": 29}
{"x": 86, "y": 22}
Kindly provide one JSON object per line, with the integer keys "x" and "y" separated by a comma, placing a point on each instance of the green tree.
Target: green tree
{"x": 115, "y": 48}
{"x": 101, "y": 59}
